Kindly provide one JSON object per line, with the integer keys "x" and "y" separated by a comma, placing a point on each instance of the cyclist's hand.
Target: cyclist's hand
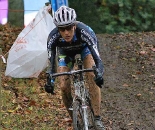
{"x": 99, "y": 79}
{"x": 49, "y": 87}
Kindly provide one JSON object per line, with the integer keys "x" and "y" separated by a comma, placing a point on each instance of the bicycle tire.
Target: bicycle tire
{"x": 90, "y": 113}
{"x": 79, "y": 123}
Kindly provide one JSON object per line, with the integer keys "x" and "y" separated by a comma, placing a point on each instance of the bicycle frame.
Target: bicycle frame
{"x": 80, "y": 90}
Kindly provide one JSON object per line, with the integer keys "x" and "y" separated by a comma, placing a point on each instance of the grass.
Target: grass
{"x": 25, "y": 105}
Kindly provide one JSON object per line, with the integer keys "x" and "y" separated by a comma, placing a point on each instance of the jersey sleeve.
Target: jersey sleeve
{"x": 88, "y": 36}
{"x": 51, "y": 48}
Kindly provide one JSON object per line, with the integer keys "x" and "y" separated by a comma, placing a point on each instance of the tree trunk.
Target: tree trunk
{"x": 16, "y": 13}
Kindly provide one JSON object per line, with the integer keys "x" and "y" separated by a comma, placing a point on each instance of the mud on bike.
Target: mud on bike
{"x": 83, "y": 115}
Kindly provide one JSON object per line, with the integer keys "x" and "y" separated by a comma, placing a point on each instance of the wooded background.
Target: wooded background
{"x": 104, "y": 16}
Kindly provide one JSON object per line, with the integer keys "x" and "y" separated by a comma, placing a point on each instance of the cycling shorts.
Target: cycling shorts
{"x": 67, "y": 58}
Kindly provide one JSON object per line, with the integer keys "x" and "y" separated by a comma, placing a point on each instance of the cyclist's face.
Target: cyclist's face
{"x": 67, "y": 32}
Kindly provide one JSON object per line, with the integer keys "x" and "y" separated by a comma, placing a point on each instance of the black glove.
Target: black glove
{"x": 49, "y": 86}
{"x": 99, "y": 79}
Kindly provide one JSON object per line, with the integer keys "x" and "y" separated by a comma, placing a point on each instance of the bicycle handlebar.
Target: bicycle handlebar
{"x": 73, "y": 72}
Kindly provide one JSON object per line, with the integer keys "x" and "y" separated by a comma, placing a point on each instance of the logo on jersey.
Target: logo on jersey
{"x": 51, "y": 41}
{"x": 87, "y": 37}
{"x": 61, "y": 40}
{"x": 96, "y": 50}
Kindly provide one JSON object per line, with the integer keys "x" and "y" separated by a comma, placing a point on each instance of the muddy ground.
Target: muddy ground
{"x": 128, "y": 96}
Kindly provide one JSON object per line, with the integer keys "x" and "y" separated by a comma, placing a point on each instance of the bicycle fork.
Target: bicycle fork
{"x": 84, "y": 107}
{"x": 85, "y": 116}
{"x": 81, "y": 93}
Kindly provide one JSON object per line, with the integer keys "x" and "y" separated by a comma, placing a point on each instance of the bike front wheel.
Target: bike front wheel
{"x": 83, "y": 116}
{"x": 78, "y": 119}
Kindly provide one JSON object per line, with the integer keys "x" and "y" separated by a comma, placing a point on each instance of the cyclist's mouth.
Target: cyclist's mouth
{"x": 68, "y": 38}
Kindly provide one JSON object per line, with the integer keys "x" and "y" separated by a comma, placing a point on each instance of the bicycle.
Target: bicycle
{"x": 83, "y": 115}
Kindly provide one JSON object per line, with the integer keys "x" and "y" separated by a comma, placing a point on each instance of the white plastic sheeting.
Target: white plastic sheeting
{"x": 28, "y": 56}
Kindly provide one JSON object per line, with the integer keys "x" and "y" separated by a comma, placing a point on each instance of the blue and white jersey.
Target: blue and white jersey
{"x": 84, "y": 37}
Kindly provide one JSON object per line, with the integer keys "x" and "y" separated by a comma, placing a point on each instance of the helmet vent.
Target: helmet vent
{"x": 59, "y": 19}
{"x": 64, "y": 16}
{"x": 72, "y": 15}
{"x": 68, "y": 16}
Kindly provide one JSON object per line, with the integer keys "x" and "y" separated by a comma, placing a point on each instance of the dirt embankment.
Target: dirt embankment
{"x": 128, "y": 96}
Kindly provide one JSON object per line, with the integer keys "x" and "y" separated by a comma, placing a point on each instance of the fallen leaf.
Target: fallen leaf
{"x": 138, "y": 95}
{"x": 42, "y": 94}
{"x": 67, "y": 120}
{"x": 32, "y": 103}
{"x": 125, "y": 85}
{"x": 27, "y": 111}
{"x": 11, "y": 111}
{"x": 25, "y": 99}
{"x": 5, "y": 85}
{"x": 153, "y": 49}
{"x": 142, "y": 52}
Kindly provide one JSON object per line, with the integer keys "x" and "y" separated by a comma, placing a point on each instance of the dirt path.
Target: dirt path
{"x": 128, "y": 96}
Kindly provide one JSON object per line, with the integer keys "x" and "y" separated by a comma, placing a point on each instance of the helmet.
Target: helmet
{"x": 64, "y": 16}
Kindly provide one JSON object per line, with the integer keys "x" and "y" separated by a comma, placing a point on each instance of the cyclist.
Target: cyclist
{"x": 72, "y": 37}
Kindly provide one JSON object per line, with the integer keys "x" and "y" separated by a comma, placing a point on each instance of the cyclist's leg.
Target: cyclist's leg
{"x": 94, "y": 90}
{"x": 64, "y": 81}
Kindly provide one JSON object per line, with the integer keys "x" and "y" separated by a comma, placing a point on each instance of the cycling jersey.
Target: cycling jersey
{"x": 84, "y": 37}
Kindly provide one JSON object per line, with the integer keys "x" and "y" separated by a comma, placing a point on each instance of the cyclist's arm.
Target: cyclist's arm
{"x": 89, "y": 37}
{"x": 51, "y": 48}
{"x": 96, "y": 57}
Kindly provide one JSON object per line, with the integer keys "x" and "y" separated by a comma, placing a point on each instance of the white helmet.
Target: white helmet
{"x": 64, "y": 16}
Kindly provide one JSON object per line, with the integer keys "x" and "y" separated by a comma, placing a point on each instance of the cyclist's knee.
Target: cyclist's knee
{"x": 88, "y": 61}
{"x": 64, "y": 81}
{"x": 65, "y": 85}
{"x": 63, "y": 69}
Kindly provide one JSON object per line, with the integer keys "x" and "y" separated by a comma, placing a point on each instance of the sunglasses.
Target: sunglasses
{"x": 68, "y": 28}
